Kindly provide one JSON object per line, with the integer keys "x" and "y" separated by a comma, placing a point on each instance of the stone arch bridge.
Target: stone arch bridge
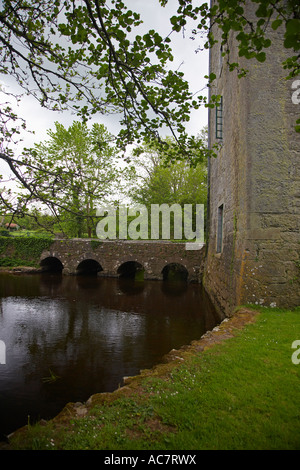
{"x": 115, "y": 258}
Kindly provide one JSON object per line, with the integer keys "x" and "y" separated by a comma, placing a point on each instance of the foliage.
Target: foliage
{"x": 91, "y": 57}
{"x": 22, "y": 251}
{"x": 158, "y": 181}
{"x": 95, "y": 244}
{"x": 251, "y": 29}
{"x": 175, "y": 184}
{"x": 71, "y": 172}
{"x": 35, "y": 221}
{"x": 250, "y": 23}
{"x": 87, "y": 57}
{"x": 4, "y": 242}
{"x": 4, "y": 233}
{"x": 53, "y": 377}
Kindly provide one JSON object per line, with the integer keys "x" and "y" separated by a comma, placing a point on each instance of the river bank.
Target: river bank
{"x": 235, "y": 388}
{"x": 20, "y": 270}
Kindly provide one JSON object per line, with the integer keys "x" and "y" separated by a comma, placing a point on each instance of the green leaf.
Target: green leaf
{"x": 276, "y": 23}
{"x": 293, "y": 27}
{"x": 148, "y": 40}
{"x": 289, "y": 42}
{"x": 261, "y": 57}
{"x": 262, "y": 11}
{"x": 267, "y": 43}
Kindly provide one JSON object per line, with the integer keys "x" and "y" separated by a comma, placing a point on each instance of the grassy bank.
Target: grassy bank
{"x": 236, "y": 388}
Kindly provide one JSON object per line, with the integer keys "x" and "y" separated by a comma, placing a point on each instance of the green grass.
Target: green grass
{"x": 243, "y": 393}
{"x": 26, "y": 233}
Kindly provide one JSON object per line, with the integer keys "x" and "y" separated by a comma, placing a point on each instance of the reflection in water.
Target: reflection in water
{"x": 89, "y": 331}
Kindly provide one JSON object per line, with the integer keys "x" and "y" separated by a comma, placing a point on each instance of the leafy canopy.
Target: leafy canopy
{"x": 158, "y": 182}
{"x": 250, "y": 22}
{"x": 89, "y": 56}
{"x": 69, "y": 174}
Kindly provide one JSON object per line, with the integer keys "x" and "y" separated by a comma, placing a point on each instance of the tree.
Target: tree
{"x": 78, "y": 54}
{"x": 72, "y": 172}
{"x": 157, "y": 180}
{"x": 250, "y": 31}
{"x": 87, "y": 56}
{"x": 160, "y": 182}
{"x": 176, "y": 183}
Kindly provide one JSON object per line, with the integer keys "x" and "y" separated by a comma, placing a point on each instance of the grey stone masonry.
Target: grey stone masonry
{"x": 153, "y": 256}
{"x": 254, "y": 184}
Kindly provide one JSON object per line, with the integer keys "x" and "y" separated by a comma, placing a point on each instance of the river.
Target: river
{"x": 68, "y": 337}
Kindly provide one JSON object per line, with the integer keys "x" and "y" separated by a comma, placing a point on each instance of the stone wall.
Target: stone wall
{"x": 153, "y": 256}
{"x": 255, "y": 179}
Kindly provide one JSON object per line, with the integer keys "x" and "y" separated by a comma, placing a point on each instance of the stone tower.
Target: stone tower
{"x": 254, "y": 183}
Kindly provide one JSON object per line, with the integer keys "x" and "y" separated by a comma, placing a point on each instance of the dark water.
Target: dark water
{"x": 91, "y": 332}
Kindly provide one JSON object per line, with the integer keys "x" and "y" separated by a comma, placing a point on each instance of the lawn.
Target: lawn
{"x": 236, "y": 388}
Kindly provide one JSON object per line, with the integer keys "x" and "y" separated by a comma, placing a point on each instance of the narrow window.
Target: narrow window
{"x": 220, "y": 229}
{"x": 221, "y": 59}
{"x": 219, "y": 120}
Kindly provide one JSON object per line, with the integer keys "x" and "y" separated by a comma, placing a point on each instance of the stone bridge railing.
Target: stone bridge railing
{"x": 114, "y": 258}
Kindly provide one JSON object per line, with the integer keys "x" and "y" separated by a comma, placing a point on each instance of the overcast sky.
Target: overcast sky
{"x": 194, "y": 66}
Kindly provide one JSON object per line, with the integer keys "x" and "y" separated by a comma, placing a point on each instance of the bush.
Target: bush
{"x": 21, "y": 251}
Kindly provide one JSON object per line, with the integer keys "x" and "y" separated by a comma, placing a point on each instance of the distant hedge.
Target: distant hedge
{"x": 22, "y": 251}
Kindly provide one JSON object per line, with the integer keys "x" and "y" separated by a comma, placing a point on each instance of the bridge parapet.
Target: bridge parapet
{"x": 107, "y": 256}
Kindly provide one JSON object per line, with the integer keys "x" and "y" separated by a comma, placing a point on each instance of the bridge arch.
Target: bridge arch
{"x": 175, "y": 272}
{"x": 88, "y": 266}
{"x": 153, "y": 257}
{"x": 51, "y": 264}
{"x": 131, "y": 270}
